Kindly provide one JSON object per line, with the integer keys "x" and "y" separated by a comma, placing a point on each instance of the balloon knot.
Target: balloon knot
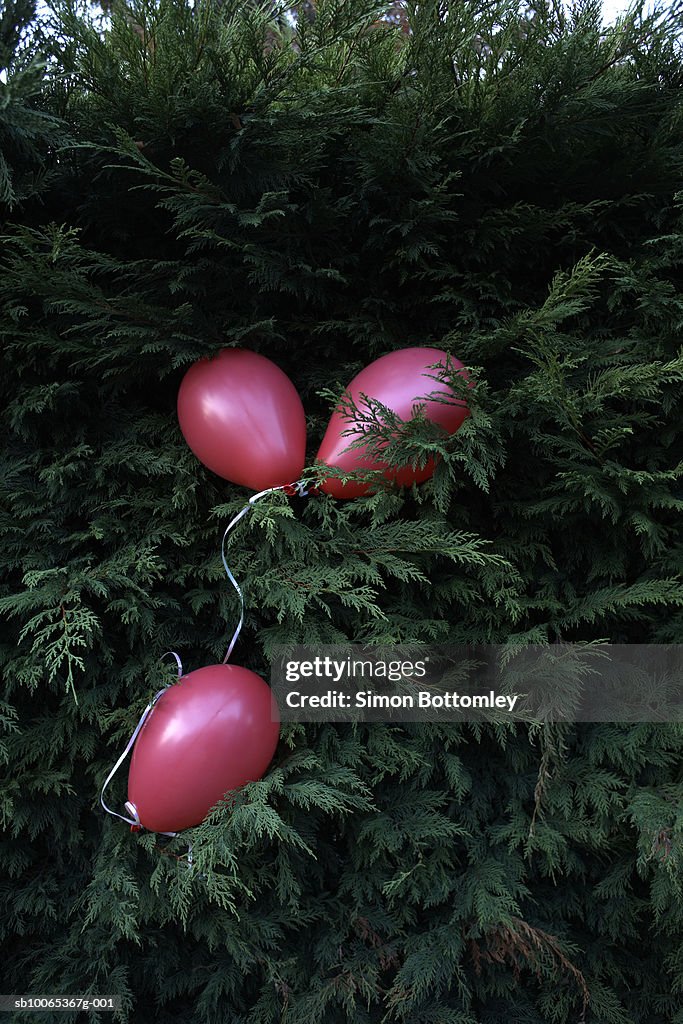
{"x": 300, "y": 489}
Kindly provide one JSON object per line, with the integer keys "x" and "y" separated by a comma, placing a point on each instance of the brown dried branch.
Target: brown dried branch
{"x": 524, "y": 946}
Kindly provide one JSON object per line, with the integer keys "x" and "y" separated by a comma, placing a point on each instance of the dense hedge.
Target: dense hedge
{"x": 501, "y": 184}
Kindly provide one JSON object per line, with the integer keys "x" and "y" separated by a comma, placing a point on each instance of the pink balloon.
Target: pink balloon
{"x": 242, "y": 417}
{"x": 213, "y": 731}
{"x": 398, "y": 380}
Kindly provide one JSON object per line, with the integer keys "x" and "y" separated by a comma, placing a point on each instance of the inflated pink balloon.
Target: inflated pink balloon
{"x": 242, "y": 417}
{"x": 398, "y": 380}
{"x": 213, "y": 731}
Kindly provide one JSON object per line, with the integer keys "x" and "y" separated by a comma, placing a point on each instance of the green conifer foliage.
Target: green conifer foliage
{"x": 500, "y": 184}
{"x": 28, "y": 134}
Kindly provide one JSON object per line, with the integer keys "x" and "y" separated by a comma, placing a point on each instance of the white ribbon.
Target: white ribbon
{"x": 122, "y": 758}
{"x": 131, "y": 807}
{"x": 301, "y": 492}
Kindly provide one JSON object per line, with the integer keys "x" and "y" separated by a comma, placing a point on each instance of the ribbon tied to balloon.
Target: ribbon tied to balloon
{"x": 217, "y": 728}
{"x": 210, "y": 733}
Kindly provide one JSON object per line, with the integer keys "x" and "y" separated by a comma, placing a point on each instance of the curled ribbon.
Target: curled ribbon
{"x": 299, "y": 488}
{"x": 135, "y": 821}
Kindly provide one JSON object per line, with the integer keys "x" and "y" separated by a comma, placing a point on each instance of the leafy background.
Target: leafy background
{"x": 325, "y": 186}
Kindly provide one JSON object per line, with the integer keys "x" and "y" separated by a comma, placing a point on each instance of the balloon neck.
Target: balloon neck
{"x": 133, "y": 811}
{"x": 138, "y": 826}
{"x": 300, "y": 489}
